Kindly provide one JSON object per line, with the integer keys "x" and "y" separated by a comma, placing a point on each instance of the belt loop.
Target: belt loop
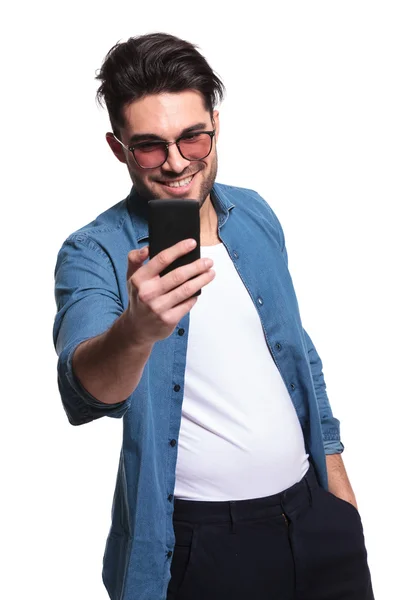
{"x": 232, "y": 515}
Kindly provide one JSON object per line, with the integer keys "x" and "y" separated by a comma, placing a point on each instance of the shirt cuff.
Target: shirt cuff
{"x": 116, "y": 409}
{"x": 333, "y": 447}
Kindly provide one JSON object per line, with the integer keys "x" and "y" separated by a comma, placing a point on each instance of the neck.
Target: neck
{"x": 208, "y": 224}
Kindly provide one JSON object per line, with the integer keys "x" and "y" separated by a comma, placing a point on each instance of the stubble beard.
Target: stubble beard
{"x": 205, "y": 187}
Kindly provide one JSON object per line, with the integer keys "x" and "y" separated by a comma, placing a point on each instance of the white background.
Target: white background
{"x": 311, "y": 121}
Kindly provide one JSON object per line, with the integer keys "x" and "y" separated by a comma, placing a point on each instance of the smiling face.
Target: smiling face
{"x": 167, "y": 117}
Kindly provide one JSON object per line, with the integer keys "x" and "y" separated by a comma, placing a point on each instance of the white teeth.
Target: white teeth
{"x": 181, "y": 183}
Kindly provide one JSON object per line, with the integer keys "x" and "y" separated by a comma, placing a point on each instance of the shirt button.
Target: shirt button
{"x": 278, "y": 346}
{"x": 292, "y": 386}
{"x": 235, "y": 254}
{"x": 172, "y": 443}
{"x": 181, "y": 331}
{"x": 177, "y": 387}
{"x": 170, "y": 497}
{"x": 260, "y": 301}
{"x": 169, "y": 553}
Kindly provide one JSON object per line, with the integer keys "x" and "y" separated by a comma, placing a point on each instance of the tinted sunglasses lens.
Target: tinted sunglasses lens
{"x": 196, "y": 147}
{"x": 151, "y": 155}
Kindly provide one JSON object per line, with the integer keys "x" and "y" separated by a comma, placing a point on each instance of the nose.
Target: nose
{"x": 175, "y": 161}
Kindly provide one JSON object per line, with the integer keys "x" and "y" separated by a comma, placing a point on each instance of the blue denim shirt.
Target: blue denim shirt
{"x": 91, "y": 292}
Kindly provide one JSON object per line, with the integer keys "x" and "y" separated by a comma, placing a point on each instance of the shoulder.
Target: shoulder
{"x": 106, "y": 231}
{"x": 110, "y": 221}
{"x": 249, "y": 202}
{"x": 100, "y": 239}
{"x": 242, "y": 196}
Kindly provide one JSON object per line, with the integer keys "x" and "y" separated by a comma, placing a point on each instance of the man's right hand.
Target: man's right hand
{"x": 157, "y": 304}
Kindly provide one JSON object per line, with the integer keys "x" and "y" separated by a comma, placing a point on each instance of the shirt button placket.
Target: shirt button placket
{"x": 172, "y": 442}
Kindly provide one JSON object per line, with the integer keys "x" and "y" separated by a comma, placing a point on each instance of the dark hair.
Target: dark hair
{"x": 151, "y": 64}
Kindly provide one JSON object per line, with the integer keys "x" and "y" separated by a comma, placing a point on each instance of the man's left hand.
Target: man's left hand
{"x": 338, "y": 481}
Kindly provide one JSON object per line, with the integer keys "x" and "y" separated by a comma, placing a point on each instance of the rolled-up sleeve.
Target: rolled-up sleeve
{"x": 329, "y": 424}
{"x": 88, "y": 302}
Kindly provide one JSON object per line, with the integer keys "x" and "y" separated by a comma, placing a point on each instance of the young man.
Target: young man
{"x": 230, "y": 483}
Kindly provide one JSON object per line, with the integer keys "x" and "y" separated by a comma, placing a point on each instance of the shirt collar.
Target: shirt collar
{"x": 138, "y": 209}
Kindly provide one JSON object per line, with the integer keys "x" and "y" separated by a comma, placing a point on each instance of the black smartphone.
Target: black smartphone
{"x": 171, "y": 221}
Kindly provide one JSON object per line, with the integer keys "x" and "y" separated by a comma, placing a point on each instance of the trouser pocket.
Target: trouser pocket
{"x": 329, "y": 551}
{"x": 182, "y": 559}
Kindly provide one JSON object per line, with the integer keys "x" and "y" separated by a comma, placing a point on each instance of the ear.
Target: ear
{"x": 116, "y": 147}
{"x": 215, "y": 120}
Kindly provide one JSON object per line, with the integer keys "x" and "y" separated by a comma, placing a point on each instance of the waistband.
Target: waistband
{"x": 199, "y": 511}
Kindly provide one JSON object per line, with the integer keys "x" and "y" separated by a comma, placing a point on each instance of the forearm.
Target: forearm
{"x": 338, "y": 481}
{"x": 110, "y": 365}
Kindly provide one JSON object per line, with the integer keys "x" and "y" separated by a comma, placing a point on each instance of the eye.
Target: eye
{"x": 191, "y": 137}
{"x": 149, "y": 146}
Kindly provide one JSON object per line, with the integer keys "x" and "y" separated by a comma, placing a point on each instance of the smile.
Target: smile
{"x": 180, "y": 183}
{"x": 180, "y": 187}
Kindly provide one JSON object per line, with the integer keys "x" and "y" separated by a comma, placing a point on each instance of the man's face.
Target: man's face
{"x": 166, "y": 117}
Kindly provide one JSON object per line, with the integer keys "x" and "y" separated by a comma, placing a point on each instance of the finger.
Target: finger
{"x": 152, "y": 289}
{"x": 136, "y": 259}
{"x": 182, "y": 274}
{"x": 174, "y": 315}
{"x": 163, "y": 259}
{"x": 182, "y": 293}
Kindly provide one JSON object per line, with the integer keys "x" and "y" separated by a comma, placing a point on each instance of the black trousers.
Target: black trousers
{"x": 301, "y": 544}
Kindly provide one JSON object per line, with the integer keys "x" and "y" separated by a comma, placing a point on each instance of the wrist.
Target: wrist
{"x": 338, "y": 481}
{"x": 128, "y": 335}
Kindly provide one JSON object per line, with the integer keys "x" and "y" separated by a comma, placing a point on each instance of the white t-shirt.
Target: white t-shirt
{"x": 240, "y": 437}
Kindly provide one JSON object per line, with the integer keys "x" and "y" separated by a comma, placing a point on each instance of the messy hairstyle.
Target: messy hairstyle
{"x": 152, "y": 64}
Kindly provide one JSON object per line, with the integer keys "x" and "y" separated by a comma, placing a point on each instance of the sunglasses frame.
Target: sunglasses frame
{"x": 134, "y": 147}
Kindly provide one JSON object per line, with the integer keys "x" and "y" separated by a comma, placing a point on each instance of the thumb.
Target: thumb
{"x": 136, "y": 259}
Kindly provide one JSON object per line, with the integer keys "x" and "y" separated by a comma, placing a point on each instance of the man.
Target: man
{"x": 230, "y": 483}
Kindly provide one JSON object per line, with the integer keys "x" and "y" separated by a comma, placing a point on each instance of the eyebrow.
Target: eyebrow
{"x": 140, "y": 137}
